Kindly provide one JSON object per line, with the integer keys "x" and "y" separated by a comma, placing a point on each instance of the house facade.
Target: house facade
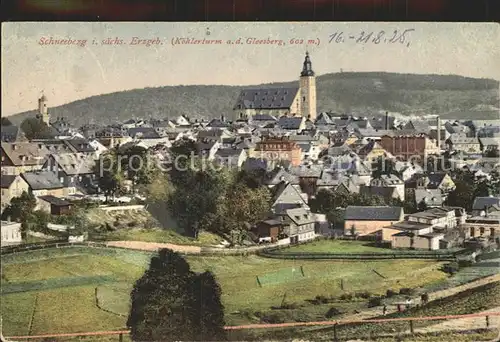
{"x": 12, "y": 186}
{"x": 10, "y": 233}
{"x": 301, "y": 225}
{"x": 278, "y": 149}
{"x": 366, "y": 220}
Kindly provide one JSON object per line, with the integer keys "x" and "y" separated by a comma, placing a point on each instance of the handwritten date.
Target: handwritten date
{"x": 374, "y": 37}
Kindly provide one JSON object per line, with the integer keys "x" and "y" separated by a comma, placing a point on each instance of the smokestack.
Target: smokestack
{"x": 439, "y": 132}
{"x": 386, "y": 121}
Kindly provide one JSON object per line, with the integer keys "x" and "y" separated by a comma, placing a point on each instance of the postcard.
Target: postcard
{"x": 272, "y": 181}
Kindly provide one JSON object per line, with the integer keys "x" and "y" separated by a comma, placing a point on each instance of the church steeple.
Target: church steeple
{"x": 307, "y": 67}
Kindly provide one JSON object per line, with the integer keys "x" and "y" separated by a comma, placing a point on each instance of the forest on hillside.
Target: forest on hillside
{"x": 347, "y": 92}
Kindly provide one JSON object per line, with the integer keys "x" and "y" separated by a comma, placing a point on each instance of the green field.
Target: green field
{"x": 348, "y": 247}
{"x": 81, "y": 289}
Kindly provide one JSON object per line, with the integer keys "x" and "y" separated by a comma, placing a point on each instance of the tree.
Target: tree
{"x": 5, "y": 122}
{"x": 109, "y": 173}
{"x": 34, "y": 128}
{"x": 422, "y": 205}
{"x": 167, "y": 298}
{"x": 207, "y": 309}
{"x": 241, "y": 208}
{"x": 20, "y": 209}
{"x": 463, "y": 195}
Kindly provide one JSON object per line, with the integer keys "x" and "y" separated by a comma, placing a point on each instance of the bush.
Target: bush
{"x": 273, "y": 317}
{"x": 346, "y": 296}
{"x": 364, "y": 294}
{"x": 464, "y": 263}
{"x": 321, "y": 299}
{"x": 374, "y": 301}
{"x": 406, "y": 291}
{"x": 332, "y": 312}
{"x": 132, "y": 224}
{"x": 451, "y": 268}
{"x": 390, "y": 293}
{"x": 289, "y": 306}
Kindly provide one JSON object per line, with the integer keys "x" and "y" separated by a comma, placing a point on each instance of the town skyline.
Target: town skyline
{"x": 89, "y": 71}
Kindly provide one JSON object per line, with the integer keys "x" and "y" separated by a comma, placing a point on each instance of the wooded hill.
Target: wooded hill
{"x": 362, "y": 93}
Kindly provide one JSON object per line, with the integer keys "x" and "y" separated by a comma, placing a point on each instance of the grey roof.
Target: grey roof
{"x": 382, "y": 191}
{"x": 143, "y": 133}
{"x": 264, "y": 117}
{"x": 75, "y": 163}
{"x": 431, "y": 235}
{"x": 290, "y": 122}
{"x": 420, "y": 126}
{"x": 408, "y": 225}
{"x": 431, "y": 197}
{"x": 266, "y": 98}
{"x": 26, "y": 153}
{"x": 228, "y": 152}
{"x": 80, "y": 145}
{"x": 324, "y": 119}
{"x": 401, "y": 166}
{"x": 307, "y": 171}
{"x": 379, "y": 122}
{"x": 214, "y": 133}
{"x": 369, "y": 213}
{"x": 480, "y": 203}
{"x": 217, "y": 123}
{"x": 41, "y": 180}
{"x": 55, "y": 200}
{"x": 285, "y": 196}
{"x": 335, "y": 151}
{"x": 370, "y": 132}
{"x": 459, "y": 138}
{"x": 279, "y": 174}
{"x": 7, "y": 180}
{"x": 432, "y": 213}
{"x": 495, "y": 141}
{"x": 9, "y": 133}
{"x": 301, "y": 216}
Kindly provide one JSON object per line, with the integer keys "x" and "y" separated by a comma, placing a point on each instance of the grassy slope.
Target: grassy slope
{"x": 362, "y": 91}
{"x": 235, "y": 274}
{"x": 140, "y": 225}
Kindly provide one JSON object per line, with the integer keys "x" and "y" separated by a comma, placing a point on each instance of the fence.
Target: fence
{"x": 269, "y": 251}
{"x": 331, "y": 324}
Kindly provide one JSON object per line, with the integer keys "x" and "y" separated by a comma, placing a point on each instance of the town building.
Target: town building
{"x": 369, "y": 220}
{"x": 409, "y": 147}
{"x": 280, "y": 101}
{"x": 278, "y": 149}
{"x": 10, "y": 233}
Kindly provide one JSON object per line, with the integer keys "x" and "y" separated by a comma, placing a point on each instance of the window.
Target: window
{"x": 61, "y": 179}
{"x": 304, "y": 98}
{"x": 481, "y": 230}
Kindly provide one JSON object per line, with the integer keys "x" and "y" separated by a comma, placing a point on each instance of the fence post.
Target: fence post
{"x": 412, "y": 331}
{"x": 335, "y": 338}
{"x": 120, "y": 337}
{"x": 487, "y": 321}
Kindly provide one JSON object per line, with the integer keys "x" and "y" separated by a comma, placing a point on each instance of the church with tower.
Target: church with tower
{"x": 279, "y": 101}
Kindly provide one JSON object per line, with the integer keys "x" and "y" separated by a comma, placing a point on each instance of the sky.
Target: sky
{"x": 67, "y": 73}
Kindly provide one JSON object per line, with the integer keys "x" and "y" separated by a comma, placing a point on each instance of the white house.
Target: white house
{"x": 10, "y": 233}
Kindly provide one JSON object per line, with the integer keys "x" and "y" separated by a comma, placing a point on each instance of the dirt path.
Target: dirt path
{"x": 154, "y": 246}
{"x": 465, "y": 323}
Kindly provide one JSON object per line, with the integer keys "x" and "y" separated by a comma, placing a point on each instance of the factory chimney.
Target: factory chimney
{"x": 438, "y": 131}
{"x": 386, "y": 121}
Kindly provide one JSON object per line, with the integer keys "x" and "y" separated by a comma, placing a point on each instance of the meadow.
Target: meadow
{"x": 80, "y": 289}
{"x": 352, "y": 247}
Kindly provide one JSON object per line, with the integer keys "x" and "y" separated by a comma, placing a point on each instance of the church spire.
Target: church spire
{"x": 307, "y": 67}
